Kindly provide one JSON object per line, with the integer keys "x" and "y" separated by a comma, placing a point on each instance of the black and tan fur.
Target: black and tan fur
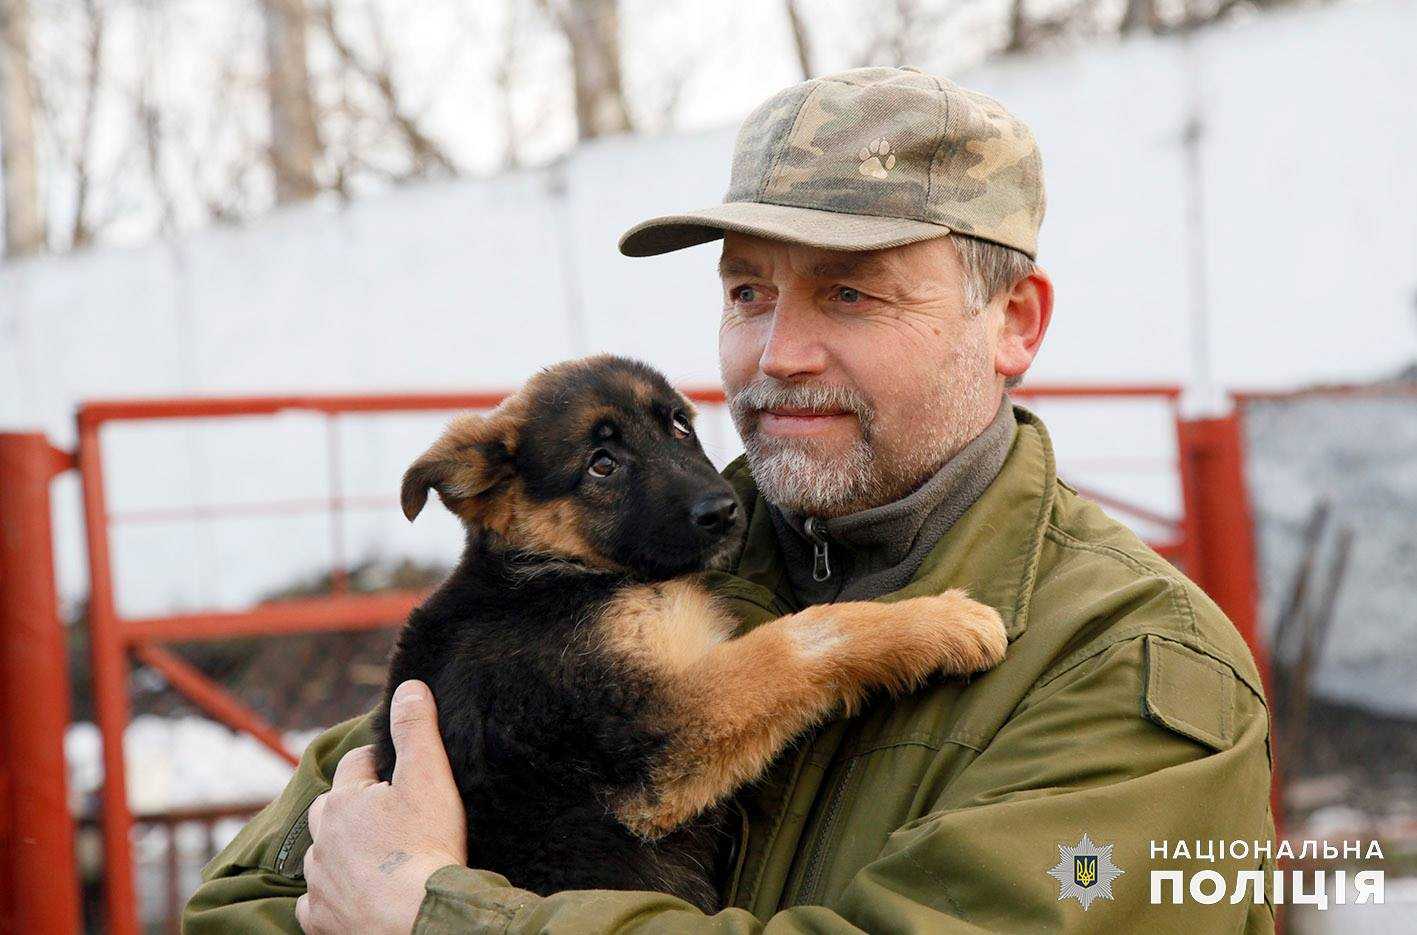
{"x": 594, "y": 704}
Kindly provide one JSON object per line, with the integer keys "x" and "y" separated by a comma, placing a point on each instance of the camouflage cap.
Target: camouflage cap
{"x": 870, "y": 158}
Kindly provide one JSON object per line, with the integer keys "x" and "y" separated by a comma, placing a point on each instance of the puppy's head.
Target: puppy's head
{"x": 594, "y": 460}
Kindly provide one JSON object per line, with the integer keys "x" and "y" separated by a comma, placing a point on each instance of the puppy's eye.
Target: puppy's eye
{"x": 602, "y": 465}
{"x": 682, "y": 427}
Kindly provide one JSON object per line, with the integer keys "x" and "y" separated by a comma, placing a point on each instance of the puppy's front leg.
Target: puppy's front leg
{"x": 739, "y": 704}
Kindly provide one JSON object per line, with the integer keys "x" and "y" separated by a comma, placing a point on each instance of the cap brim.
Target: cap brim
{"x": 829, "y": 230}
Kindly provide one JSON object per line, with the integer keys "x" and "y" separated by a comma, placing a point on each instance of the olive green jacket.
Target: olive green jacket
{"x": 1128, "y": 709}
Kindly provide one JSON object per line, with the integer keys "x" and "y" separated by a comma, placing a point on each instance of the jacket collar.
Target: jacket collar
{"x": 992, "y": 550}
{"x": 879, "y": 549}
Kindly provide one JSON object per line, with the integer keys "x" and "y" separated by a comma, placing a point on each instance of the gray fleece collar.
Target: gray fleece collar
{"x": 878, "y": 550}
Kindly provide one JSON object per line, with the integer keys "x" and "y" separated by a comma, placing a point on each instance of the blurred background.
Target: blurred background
{"x": 255, "y": 251}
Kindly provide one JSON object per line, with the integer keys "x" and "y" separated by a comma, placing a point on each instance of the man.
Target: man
{"x": 879, "y": 296}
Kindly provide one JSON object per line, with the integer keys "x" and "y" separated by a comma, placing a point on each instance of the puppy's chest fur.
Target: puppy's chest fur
{"x": 663, "y": 627}
{"x": 555, "y": 707}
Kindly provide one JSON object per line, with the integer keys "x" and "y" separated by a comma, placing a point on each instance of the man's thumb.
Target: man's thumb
{"x": 419, "y": 757}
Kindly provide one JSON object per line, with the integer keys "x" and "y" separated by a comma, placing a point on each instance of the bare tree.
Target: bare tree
{"x": 81, "y": 232}
{"x": 1139, "y": 15}
{"x": 905, "y": 32}
{"x": 504, "y": 77}
{"x": 24, "y": 224}
{"x": 592, "y": 29}
{"x": 427, "y": 156}
{"x": 1018, "y": 27}
{"x": 801, "y": 41}
{"x": 233, "y": 188}
{"x": 295, "y": 138}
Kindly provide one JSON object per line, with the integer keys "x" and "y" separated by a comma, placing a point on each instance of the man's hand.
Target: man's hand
{"x": 376, "y": 843}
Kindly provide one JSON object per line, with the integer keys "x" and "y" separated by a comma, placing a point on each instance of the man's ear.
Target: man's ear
{"x": 1028, "y": 309}
{"x": 473, "y": 456}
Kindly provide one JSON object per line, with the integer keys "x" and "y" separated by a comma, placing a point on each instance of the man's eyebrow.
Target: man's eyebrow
{"x": 831, "y": 269}
{"x": 737, "y": 266}
{"x": 826, "y": 269}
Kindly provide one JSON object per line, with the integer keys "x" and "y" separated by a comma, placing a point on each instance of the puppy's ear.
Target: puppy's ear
{"x": 473, "y": 456}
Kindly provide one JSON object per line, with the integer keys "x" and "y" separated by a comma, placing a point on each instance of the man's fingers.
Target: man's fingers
{"x": 302, "y": 911}
{"x": 315, "y": 814}
{"x": 419, "y": 757}
{"x": 355, "y": 767}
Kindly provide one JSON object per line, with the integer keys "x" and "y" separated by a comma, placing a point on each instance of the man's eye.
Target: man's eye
{"x": 602, "y": 465}
{"x": 682, "y": 426}
{"x": 848, "y": 295}
{"x": 744, "y": 294}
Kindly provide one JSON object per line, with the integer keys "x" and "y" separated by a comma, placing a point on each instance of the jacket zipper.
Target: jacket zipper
{"x": 737, "y": 854}
{"x": 807, "y": 892}
{"x": 821, "y": 560}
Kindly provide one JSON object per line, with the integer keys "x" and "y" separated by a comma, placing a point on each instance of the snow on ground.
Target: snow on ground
{"x": 179, "y": 762}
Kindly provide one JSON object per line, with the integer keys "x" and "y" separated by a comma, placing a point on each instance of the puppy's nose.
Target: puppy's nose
{"x": 715, "y": 513}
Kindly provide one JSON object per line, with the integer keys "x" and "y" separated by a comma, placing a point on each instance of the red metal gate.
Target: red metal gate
{"x": 1209, "y": 539}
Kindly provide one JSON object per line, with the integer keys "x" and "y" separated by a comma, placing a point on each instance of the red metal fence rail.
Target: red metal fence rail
{"x": 1209, "y": 539}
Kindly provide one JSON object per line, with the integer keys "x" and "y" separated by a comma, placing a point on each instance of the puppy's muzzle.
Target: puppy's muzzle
{"x": 715, "y": 514}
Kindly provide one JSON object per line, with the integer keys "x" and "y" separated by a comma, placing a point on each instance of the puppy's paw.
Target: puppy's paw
{"x": 956, "y": 634}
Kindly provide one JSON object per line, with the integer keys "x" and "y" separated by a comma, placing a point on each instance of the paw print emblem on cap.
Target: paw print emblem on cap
{"x": 877, "y": 160}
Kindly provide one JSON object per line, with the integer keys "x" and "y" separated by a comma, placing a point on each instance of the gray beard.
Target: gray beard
{"x": 792, "y": 474}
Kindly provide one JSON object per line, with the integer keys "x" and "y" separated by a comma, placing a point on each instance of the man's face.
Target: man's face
{"x": 852, "y": 376}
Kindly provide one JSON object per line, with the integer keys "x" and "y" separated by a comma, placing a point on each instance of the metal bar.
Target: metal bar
{"x": 109, "y": 410}
{"x": 348, "y": 612}
{"x": 263, "y": 508}
{"x": 189, "y": 813}
{"x": 1189, "y": 557}
{"x": 1289, "y": 617}
{"x": 339, "y": 578}
{"x": 1314, "y": 636}
{"x": 1127, "y": 463}
{"x": 1117, "y": 503}
{"x": 1343, "y": 550}
{"x": 213, "y": 699}
{"x": 1174, "y": 552}
{"x": 110, "y": 682}
{"x": 1132, "y": 391}
{"x": 38, "y": 876}
{"x": 174, "y": 882}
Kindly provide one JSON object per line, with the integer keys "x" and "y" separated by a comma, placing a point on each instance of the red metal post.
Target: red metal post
{"x": 39, "y": 880}
{"x": 110, "y": 691}
{"x": 1219, "y": 523}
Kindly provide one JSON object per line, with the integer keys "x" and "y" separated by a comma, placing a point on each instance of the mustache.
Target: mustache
{"x": 745, "y": 404}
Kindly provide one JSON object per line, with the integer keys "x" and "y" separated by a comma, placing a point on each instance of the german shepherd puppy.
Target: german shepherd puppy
{"x": 594, "y": 703}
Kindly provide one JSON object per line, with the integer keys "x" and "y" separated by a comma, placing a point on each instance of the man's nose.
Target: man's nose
{"x": 794, "y": 347}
